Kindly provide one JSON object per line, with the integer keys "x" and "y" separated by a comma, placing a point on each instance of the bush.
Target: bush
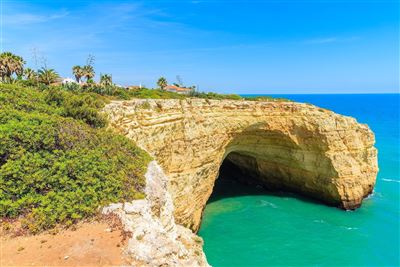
{"x": 154, "y": 94}
{"x": 74, "y": 87}
{"x": 85, "y": 108}
{"x": 212, "y": 95}
{"x": 145, "y": 93}
{"x": 54, "y": 100}
{"x": 26, "y": 82}
{"x": 266, "y": 98}
{"x": 54, "y": 167}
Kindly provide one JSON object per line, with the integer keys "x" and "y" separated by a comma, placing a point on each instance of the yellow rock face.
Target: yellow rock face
{"x": 286, "y": 145}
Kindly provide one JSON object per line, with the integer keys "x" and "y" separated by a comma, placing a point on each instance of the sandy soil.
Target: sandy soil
{"x": 91, "y": 244}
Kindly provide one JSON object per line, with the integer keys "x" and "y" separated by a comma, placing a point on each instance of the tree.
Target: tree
{"x": 162, "y": 83}
{"x": 30, "y": 74}
{"x": 88, "y": 72}
{"x": 47, "y": 76}
{"x": 4, "y": 70}
{"x": 78, "y": 73}
{"x": 10, "y": 64}
{"x": 105, "y": 79}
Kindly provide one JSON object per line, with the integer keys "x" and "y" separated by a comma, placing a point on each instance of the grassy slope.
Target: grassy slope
{"x": 57, "y": 162}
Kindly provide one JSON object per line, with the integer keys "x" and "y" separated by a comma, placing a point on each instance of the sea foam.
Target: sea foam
{"x": 390, "y": 180}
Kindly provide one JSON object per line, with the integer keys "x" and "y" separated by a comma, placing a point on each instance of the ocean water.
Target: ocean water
{"x": 247, "y": 226}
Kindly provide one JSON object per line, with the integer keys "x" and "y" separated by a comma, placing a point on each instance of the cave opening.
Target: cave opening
{"x": 239, "y": 175}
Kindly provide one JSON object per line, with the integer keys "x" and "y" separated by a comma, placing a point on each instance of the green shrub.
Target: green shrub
{"x": 154, "y": 94}
{"x": 26, "y": 83}
{"x": 84, "y": 107}
{"x": 55, "y": 167}
{"x": 211, "y": 95}
{"x": 161, "y": 94}
{"x": 74, "y": 87}
{"x": 54, "y": 100}
{"x": 266, "y": 98}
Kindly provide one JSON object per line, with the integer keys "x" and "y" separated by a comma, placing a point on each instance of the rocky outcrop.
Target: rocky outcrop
{"x": 156, "y": 240}
{"x": 286, "y": 145}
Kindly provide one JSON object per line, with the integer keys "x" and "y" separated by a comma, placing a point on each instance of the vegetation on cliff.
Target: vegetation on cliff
{"x": 58, "y": 163}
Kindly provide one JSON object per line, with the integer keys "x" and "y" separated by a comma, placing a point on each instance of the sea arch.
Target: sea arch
{"x": 285, "y": 145}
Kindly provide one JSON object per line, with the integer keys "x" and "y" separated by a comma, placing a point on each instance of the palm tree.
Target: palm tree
{"x": 6, "y": 59}
{"x": 17, "y": 65}
{"x": 47, "y": 76}
{"x": 10, "y": 64}
{"x": 78, "y": 73}
{"x": 162, "y": 83}
{"x": 88, "y": 72}
{"x": 3, "y": 69}
{"x": 105, "y": 79}
{"x": 30, "y": 74}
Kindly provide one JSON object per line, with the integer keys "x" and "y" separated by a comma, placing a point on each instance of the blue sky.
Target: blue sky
{"x": 270, "y": 46}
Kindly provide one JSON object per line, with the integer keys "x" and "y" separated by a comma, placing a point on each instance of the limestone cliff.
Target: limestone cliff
{"x": 156, "y": 239}
{"x": 285, "y": 145}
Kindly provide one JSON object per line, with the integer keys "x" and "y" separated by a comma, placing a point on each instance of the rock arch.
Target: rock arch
{"x": 278, "y": 161}
{"x": 286, "y": 144}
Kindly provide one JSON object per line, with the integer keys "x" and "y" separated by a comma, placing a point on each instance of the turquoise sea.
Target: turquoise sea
{"x": 247, "y": 226}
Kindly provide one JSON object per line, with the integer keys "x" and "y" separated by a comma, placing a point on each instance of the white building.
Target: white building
{"x": 68, "y": 81}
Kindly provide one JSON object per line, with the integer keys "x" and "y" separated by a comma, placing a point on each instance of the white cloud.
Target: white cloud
{"x": 28, "y": 18}
{"x": 333, "y": 39}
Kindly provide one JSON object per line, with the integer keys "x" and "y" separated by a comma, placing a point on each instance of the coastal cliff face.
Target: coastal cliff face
{"x": 156, "y": 240}
{"x": 284, "y": 145}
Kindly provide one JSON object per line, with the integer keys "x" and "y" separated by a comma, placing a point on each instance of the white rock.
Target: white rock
{"x": 112, "y": 208}
{"x": 156, "y": 239}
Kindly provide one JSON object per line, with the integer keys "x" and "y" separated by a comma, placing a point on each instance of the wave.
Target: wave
{"x": 264, "y": 203}
{"x": 375, "y": 194}
{"x": 350, "y": 228}
{"x": 390, "y": 180}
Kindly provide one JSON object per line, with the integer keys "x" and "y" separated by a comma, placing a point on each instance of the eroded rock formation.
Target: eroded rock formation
{"x": 156, "y": 239}
{"x": 286, "y": 145}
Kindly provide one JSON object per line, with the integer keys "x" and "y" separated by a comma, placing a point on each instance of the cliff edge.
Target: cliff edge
{"x": 285, "y": 145}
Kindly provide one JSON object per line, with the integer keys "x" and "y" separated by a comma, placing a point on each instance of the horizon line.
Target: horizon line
{"x": 328, "y": 93}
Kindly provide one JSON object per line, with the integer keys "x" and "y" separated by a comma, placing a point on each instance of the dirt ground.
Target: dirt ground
{"x": 91, "y": 244}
